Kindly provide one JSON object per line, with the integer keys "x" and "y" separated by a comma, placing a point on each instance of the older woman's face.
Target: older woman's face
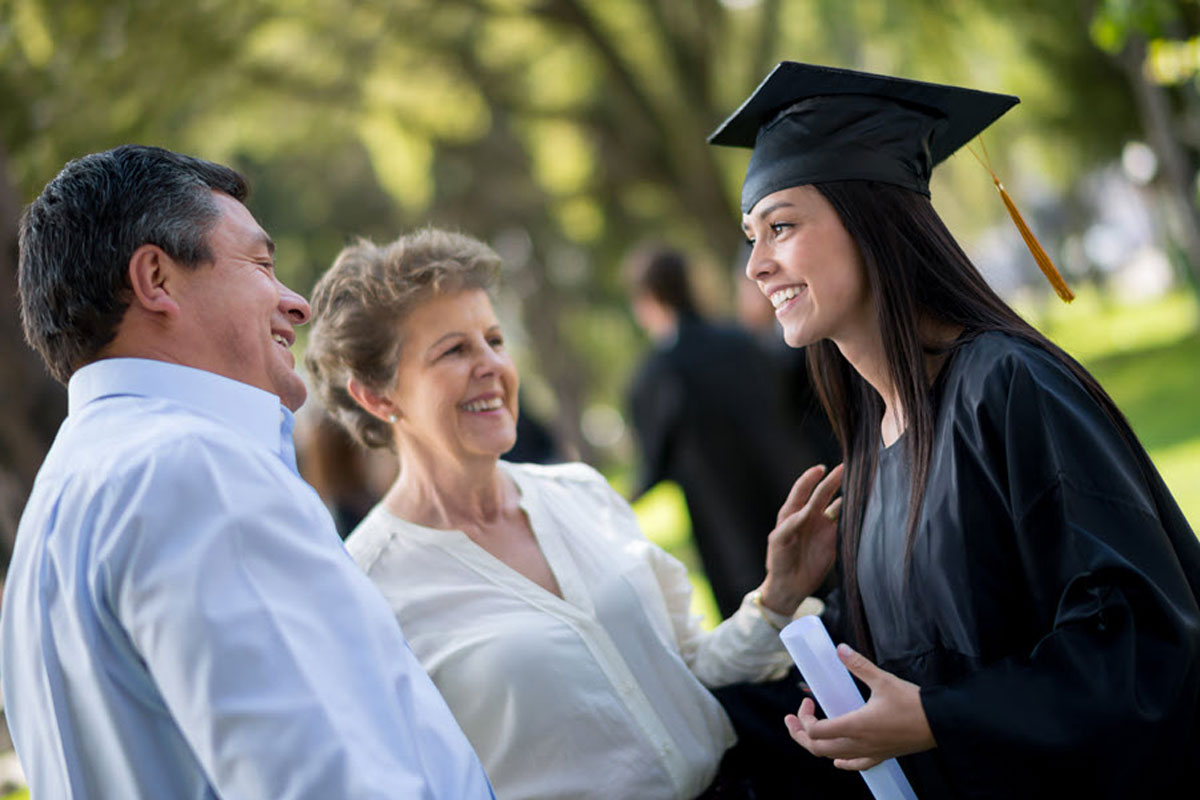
{"x": 456, "y": 386}
{"x": 807, "y": 265}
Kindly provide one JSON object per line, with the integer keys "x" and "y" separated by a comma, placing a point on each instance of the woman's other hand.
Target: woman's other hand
{"x": 891, "y": 723}
{"x": 801, "y": 549}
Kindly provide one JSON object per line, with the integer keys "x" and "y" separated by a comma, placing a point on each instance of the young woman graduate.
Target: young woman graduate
{"x": 1022, "y": 587}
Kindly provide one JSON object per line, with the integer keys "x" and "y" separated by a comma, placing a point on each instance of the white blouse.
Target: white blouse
{"x": 598, "y": 694}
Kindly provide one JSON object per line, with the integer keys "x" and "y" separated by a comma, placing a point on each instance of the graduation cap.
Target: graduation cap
{"x": 815, "y": 124}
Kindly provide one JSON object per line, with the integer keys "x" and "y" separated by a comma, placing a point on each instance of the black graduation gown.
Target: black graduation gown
{"x": 1050, "y": 614}
{"x": 706, "y": 414}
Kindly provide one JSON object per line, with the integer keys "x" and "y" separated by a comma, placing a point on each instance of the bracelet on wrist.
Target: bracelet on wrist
{"x": 756, "y": 598}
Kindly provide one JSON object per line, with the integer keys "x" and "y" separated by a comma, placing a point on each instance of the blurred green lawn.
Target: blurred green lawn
{"x": 1148, "y": 358}
{"x": 1146, "y": 355}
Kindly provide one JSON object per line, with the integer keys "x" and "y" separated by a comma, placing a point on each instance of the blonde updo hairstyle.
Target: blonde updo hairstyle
{"x": 359, "y": 307}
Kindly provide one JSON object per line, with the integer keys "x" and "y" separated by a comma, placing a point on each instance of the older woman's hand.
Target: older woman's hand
{"x": 891, "y": 723}
{"x": 801, "y": 549}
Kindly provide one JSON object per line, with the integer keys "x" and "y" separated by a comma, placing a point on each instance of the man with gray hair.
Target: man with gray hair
{"x": 180, "y": 619}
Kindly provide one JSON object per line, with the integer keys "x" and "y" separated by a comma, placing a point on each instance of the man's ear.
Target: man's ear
{"x": 374, "y": 403}
{"x": 151, "y": 272}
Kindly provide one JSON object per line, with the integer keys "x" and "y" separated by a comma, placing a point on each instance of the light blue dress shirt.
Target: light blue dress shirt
{"x": 180, "y": 619}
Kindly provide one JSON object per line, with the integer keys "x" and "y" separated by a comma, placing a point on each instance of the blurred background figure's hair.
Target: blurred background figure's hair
{"x": 661, "y": 272}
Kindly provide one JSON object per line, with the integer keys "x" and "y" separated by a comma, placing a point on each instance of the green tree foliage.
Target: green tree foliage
{"x": 1114, "y": 22}
{"x": 1132, "y": 76}
{"x": 561, "y": 131}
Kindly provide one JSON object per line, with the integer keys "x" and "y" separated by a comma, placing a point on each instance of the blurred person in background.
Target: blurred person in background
{"x": 536, "y": 443}
{"x": 337, "y": 467}
{"x": 705, "y": 407}
{"x": 180, "y": 619}
{"x": 559, "y": 635}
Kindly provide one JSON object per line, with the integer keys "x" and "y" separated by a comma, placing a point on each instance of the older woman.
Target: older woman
{"x": 559, "y": 636}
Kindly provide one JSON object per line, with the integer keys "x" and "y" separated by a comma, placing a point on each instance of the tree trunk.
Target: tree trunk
{"x": 1178, "y": 175}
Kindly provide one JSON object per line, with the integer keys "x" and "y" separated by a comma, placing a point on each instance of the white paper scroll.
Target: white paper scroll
{"x": 814, "y": 653}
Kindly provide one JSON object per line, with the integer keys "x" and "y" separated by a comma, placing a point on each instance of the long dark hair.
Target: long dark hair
{"x": 917, "y": 273}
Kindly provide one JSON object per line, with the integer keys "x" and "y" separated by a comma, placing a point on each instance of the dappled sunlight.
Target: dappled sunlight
{"x": 580, "y": 218}
{"x": 561, "y": 154}
{"x": 402, "y": 161}
{"x": 1096, "y": 325}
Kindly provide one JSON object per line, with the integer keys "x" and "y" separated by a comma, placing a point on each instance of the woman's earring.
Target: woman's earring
{"x": 392, "y": 418}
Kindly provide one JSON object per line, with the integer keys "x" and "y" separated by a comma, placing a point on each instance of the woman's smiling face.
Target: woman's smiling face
{"x": 456, "y": 386}
{"x": 807, "y": 265}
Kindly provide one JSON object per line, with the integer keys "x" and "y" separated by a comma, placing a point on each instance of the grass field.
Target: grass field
{"x": 1147, "y": 356}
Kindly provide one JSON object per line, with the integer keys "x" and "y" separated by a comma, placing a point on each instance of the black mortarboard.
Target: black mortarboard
{"x": 813, "y": 124}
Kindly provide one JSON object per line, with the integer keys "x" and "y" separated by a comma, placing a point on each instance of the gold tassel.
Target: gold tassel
{"x": 1039, "y": 253}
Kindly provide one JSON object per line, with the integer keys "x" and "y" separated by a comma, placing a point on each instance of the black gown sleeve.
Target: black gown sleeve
{"x": 1107, "y": 696}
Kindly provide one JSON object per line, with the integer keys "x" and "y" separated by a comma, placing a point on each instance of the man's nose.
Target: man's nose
{"x": 294, "y": 306}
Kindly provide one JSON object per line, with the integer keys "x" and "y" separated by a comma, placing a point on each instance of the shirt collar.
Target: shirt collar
{"x": 251, "y": 411}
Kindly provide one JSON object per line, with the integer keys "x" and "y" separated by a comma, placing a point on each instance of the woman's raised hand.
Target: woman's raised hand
{"x": 801, "y": 549}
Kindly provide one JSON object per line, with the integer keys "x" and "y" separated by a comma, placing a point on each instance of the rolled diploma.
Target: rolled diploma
{"x": 811, "y": 648}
